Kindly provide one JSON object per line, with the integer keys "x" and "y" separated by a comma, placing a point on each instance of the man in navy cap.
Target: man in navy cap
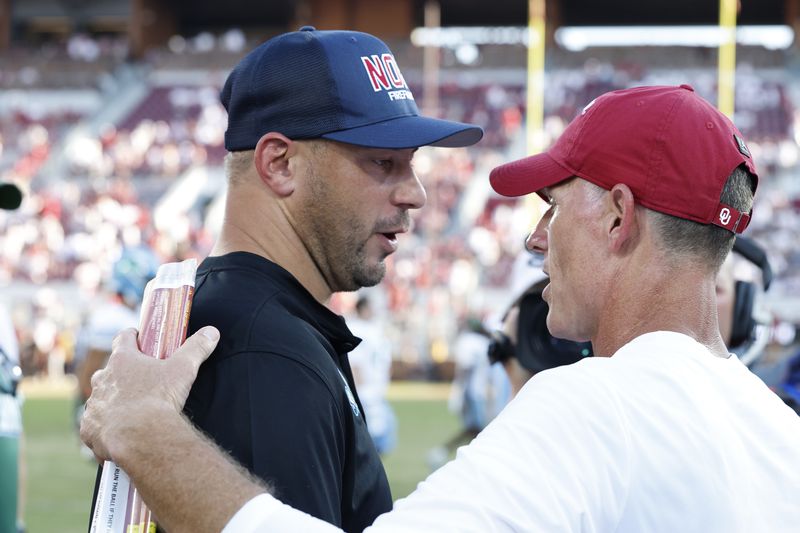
{"x": 322, "y": 130}
{"x": 662, "y": 430}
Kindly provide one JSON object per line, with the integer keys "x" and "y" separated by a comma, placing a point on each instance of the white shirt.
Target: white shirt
{"x": 485, "y": 383}
{"x": 661, "y": 437}
{"x": 106, "y": 321}
{"x": 102, "y": 325}
{"x": 8, "y": 337}
{"x": 10, "y": 412}
{"x": 371, "y": 362}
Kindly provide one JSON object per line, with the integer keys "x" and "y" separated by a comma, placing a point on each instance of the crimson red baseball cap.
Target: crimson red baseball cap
{"x": 672, "y": 148}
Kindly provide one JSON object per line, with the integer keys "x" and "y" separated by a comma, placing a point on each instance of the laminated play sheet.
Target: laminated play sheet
{"x": 163, "y": 322}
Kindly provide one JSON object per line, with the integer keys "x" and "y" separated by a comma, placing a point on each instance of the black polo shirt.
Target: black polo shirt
{"x": 278, "y": 394}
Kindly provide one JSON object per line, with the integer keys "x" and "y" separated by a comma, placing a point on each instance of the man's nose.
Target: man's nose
{"x": 537, "y": 240}
{"x": 410, "y": 194}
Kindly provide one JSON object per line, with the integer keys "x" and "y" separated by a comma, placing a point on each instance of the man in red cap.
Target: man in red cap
{"x": 663, "y": 430}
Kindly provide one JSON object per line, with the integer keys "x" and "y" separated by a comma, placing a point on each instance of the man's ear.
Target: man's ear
{"x": 622, "y": 225}
{"x": 271, "y": 160}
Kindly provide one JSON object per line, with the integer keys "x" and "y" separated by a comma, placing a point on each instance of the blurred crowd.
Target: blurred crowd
{"x": 92, "y": 188}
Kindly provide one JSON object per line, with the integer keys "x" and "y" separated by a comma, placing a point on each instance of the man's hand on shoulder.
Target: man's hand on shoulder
{"x": 135, "y": 393}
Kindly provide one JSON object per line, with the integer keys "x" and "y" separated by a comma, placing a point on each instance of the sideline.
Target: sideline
{"x": 399, "y": 391}
{"x": 418, "y": 390}
{"x": 43, "y": 387}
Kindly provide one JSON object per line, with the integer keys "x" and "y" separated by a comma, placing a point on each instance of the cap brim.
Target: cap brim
{"x": 527, "y": 175}
{"x": 10, "y": 196}
{"x": 410, "y": 132}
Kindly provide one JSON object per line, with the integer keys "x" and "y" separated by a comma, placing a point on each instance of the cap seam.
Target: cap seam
{"x": 332, "y": 78}
{"x": 253, "y": 125}
{"x": 564, "y": 166}
{"x": 389, "y": 119}
{"x": 578, "y": 134}
{"x": 656, "y": 158}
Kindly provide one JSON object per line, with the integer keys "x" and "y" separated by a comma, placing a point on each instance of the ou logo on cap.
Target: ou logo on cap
{"x": 725, "y": 216}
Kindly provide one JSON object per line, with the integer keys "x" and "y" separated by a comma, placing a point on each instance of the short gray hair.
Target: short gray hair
{"x": 706, "y": 243}
{"x": 237, "y": 164}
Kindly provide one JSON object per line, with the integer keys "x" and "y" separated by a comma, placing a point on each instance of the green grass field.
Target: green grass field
{"x": 60, "y": 480}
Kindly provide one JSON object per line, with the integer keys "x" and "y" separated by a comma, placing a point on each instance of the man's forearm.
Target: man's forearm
{"x": 188, "y": 482}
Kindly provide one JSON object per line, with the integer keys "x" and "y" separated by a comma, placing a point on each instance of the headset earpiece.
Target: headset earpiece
{"x": 743, "y": 322}
{"x": 501, "y": 348}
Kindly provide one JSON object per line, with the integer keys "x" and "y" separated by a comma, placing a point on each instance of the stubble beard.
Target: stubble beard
{"x": 335, "y": 242}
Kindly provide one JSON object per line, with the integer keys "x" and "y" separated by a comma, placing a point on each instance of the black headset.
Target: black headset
{"x": 536, "y": 349}
{"x": 500, "y": 347}
{"x": 744, "y": 323}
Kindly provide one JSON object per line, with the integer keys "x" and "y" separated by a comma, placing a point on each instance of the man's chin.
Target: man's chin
{"x": 556, "y": 328}
{"x": 565, "y": 332}
{"x": 363, "y": 276}
{"x": 369, "y": 277}
{"x": 372, "y": 271}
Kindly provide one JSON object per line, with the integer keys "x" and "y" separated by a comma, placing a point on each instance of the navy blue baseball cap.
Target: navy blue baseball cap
{"x": 339, "y": 85}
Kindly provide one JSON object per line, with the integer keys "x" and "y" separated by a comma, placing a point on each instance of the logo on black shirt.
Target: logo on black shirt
{"x": 350, "y": 397}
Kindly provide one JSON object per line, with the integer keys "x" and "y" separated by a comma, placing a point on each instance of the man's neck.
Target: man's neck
{"x": 256, "y": 226}
{"x": 660, "y": 300}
